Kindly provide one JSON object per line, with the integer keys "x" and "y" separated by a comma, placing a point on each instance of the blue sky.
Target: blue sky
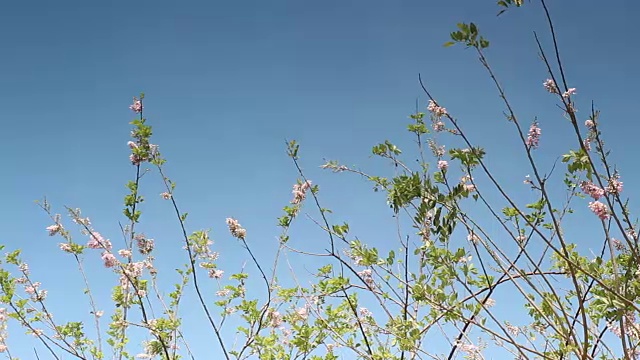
{"x": 228, "y": 82}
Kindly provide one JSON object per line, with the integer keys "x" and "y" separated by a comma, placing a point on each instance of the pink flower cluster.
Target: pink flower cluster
{"x": 443, "y": 165}
{"x": 131, "y": 271}
{"x": 533, "y": 138}
{"x": 3, "y": 329}
{"x": 568, "y": 93}
{"x": 109, "y": 259}
{"x": 96, "y": 241}
{"x": 473, "y": 352}
{"x": 136, "y": 106}
{"x": 300, "y": 192}
{"x": 54, "y": 229}
{"x": 551, "y": 87}
{"x": 216, "y": 273}
{"x": 275, "y": 318}
{"x": 592, "y": 190}
{"x": 599, "y": 209}
{"x": 591, "y": 125}
{"x": 66, "y": 247}
{"x": 137, "y": 159}
{"x": 615, "y": 185}
{"x": 35, "y": 292}
{"x": 436, "y": 110}
{"x": 236, "y": 229}
{"x": 467, "y": 187}
{"x": 145, "y": 245}
{"x": 437, "y": 150}
{"x": 367, "y": 276}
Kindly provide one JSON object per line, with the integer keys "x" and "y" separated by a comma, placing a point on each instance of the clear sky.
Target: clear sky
{"x": 227, "y": 82}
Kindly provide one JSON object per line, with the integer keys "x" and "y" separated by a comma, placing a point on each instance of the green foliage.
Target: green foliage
{"x": 468, "y": 34}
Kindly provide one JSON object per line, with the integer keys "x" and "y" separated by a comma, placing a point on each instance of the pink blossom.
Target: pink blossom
{"x": 54, "y": 229}
{"x": 512, "y": 329}
{"x": 134, "y": 270}
{"x": 473, "y": 352}
{"x": 617, "y": 244}
{"x": 276, "y": 318}
{"x": 366, "y": 275}
{"x": 592, "y": 190}
{"x": 533, "y": 138}
{"x": 96, "y": 241}
{"x": 473, "y": 237}
{"x": 436, "y": 110}
{"x": 132, "y": 145}
{"x": 587, "y": 144}
{"x": 589, "y": 124}
{"x": 443, "y": 165}
{"x": 438, "y": 126}
{"x": 216, "y": 274}
{"x": 438, "y": 151}
{"x": 136, "y": 107}
{"x": 236, "y": 229}
{"x": 166, "y": 195}
{"x": 551, "y": 87}
{"x": 135, "y": 159}
{"x": 109, "y": 259}
{"x": 302, "y": 313}
{"x": 66, "y": 247}
{"x": 615, "y": 185}
{"x": 568, "y": 93}
{"x": 599, "y": 209}
{"x": 145, "y": 245}
{"x": 154, "y": 149}
{"x": 24, "y": 267}
{"x": 125, "y": 253}
{"x": 300, "y": 192}
{"x": 33, "y": 290}
{"x": 223, "y": 292}
{"x": 82, "y": 221}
